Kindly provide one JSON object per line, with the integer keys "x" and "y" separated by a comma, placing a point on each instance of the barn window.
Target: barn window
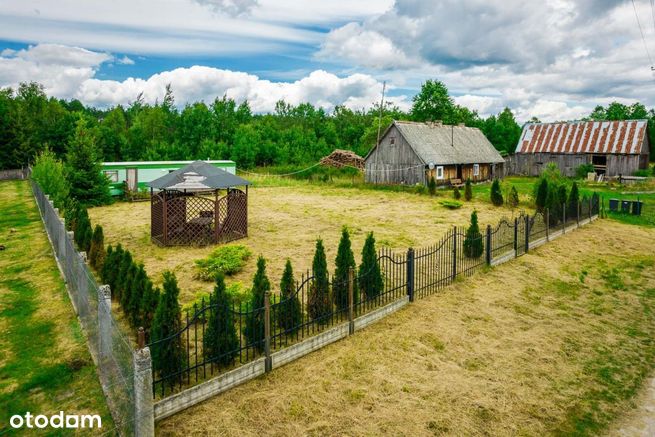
{"x": 392, "y": 140}
{"x": 440, "y": 172}
{"x": 476, "y": 169}
{"x": 112, "y": 175}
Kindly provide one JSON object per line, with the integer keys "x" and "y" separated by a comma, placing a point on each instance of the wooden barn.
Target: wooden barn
{"x": 613, "y": 147}
{"x": 409, "y": 152}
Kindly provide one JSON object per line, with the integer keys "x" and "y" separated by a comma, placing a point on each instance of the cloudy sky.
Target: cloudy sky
{"x": 553, "y": 59}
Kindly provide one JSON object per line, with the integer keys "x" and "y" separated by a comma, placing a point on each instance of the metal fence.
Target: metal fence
{"x": 110, "y": 348}
{"x": 244, "y": 333}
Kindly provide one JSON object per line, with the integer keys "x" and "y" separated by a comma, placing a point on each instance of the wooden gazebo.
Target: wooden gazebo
{"x": 198, "y": 204}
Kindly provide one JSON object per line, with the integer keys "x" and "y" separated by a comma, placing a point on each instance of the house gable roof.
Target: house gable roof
{"x": 198, "y": 176}
{"x": 607, "y": 137}
{"x": 447, "y": 145}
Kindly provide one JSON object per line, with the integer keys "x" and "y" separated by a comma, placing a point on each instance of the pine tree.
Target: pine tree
{"x": 513, "y": 198}
{"x": 97, "y": 249}
{"x": 133, "y": 309}
{"x": 344, "y": 261}
{"x": 121, "y": 274}
{"x": 291, "y": 315}
{"x": 370, "y": 275}
{"x": 456, "y": 194}
{"x": 168, "y": 355}
{"x": 468, "y": 190}
{"x": 554, "y": 207}
{"x": 496, "y": 194}
{"x": 88, "y": 185}
{"x": 562, "y": 197}
{"x": 129, "y": 288}
{"x": 573, "y": 201}
{"x": 70, "y": 213}
{"x": 149, "y": 305}
{"x": 473, "y": 245}
{"x": 432, "y": 185}
{"x": 82, "y": 228}
{"x": 318, "y": 300}
{"x": 254, "y": 330}
{"x": 541, "y": 199}
{"x": 106, "y": 265}
{"x": 111, "y": 268}
{"x": 221, "y": 343}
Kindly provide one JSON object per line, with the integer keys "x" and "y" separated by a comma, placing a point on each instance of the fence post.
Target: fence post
{"x": 516, "y": 237}
{"x": 454, "y": 252}
{"x": 410, "y": 274}
{"x": 351, "y": 301}
{"x": 547, "y": 220}
{"x": 527, "y": 233}
{"x": 104, "y": 321}
{"x": 563, "y": 218}
{"x": 578, "y": 214}
{"x": 488, "y": 245}
{"x": 144, "y": 412}
{"x": 267, "y": 332}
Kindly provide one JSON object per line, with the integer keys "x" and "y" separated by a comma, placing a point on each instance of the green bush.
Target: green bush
{"x": 513, "y": 197}
{"x": 432, "y": 186}
{"x": 473, "y": 245}
{"x": 468, "y": 190}
{"x": 451, "y": 204}
{"x": 226, "y": 259}
{"x": 254, "y": 330}
{"x": 496, "y": 193}
{"x": 370, "y": 275}
{"x": 168, "y": 355}
{"x": 644, "y": 173}
{"x": 456, "y": 194}
{"x": 221, "y": 343}
{"x": 573, "y": 201}
{"x": 344, "y": 261}
{"x": 97, "y": 249}
{"x": 582, "y": 170}
{"x": 319, "y": 304}
{"x": 290, "y": 316}
{"x": 49, "y": 173}
{"x": 541, "y": 194}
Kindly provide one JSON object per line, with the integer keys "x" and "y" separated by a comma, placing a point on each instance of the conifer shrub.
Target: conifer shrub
{"x": 562, "y": 197}
{"x": 554, "y": 207}
{"x": 97, "y": 249}
{"x": 221, "y": 343}
{"x": 290, "y": 316}
{"x": 344, "y": 261}
{"x": 473, "y": 245}
{"x": 496, "y": 194}
{"x": 468, "y": 190}
{"x": 456, "y": 194}
{"x": 573, "y": 201}
{"x": 254, "y": 329}
{"x": 318, "y": 299}
{"x": 541, "y": 197}
{"x": 149, "y": 305}
{"x": 110, "y": 270}
{"x": 133, "y": 307}
{"x": 168, "y": 355}
{"x": 432, "y": 186}
{"x": 513, "y": 198}
{"x": 129, "y": 288}
{"x": 104, "y": 270}
{"x": 370, "y": 275}
{"x": 124, "y": 264}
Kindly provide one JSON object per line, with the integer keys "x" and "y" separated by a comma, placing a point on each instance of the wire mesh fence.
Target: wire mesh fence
{"x": 110, "y": 348}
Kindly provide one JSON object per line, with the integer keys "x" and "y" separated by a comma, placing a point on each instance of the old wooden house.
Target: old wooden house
{"x": 410, "y": 152}
{"x": 612, "y": 147}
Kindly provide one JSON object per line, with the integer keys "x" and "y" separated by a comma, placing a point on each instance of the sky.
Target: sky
{"x": 551, "y": 59}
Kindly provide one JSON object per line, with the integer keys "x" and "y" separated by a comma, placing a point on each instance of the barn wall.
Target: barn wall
{"x": 532, "y": 164}
{"x": 394, "y": 163}
{"x": 622, "y": 164}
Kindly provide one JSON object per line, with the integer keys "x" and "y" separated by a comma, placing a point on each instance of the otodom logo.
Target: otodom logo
{"x": 58, "y": 421}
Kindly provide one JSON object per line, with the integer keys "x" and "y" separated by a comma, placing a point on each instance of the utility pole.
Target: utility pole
{"x": 377, "y": 144}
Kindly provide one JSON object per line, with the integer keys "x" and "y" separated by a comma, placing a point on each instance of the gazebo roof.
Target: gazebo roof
{"x": 198, "y": 176}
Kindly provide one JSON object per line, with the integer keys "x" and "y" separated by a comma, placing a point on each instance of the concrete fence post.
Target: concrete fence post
{"x": 547, "y": 220}
{"x": 268, "y": 362}
{"x": 578, "y": 214}
{"x": 488, "y": 245}
{"x": 351, "y": 301}
{"x": 144, "y": 412}
{"x": 563, "y": 218}
{"x": 104, "y": 321}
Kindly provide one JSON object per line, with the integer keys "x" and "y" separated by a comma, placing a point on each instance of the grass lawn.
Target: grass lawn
{"x": 45, "y": 365}
{"x": 286, "y": 217}
{"x": 556, "y": 342}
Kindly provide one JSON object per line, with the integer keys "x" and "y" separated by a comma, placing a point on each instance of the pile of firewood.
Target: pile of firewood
{"x": 342, "y": 158}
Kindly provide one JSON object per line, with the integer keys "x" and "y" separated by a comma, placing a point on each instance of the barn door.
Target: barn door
{"x": 132, "y": 179}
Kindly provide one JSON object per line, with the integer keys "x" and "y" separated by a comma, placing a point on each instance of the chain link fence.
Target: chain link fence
{"x": 110, "y": 348}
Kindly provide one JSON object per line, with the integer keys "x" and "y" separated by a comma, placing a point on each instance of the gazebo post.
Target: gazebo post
{"x": 246, "y": 215}
{"x": 165, "y": 216}
{"x": 216, "y": 222}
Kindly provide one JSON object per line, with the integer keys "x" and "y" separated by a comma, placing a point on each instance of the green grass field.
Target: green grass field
{"x": 45, "y": 365}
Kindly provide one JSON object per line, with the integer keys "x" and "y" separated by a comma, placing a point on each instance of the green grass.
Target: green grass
{"x": 45, "y": 364}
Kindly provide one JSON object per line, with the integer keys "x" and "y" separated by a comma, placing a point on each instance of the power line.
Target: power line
{"x": 641, "y": 31}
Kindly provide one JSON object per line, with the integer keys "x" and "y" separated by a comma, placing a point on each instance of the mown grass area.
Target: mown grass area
{"x": 556, "y": 342}
{"x": 45, "y": 366}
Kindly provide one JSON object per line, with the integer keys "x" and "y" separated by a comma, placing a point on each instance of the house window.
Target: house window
{"x": 111, "y": 175}
{"x": 440, "y": 172}
{"x": 476, "y": 169}
{"x": 392, "y": 140}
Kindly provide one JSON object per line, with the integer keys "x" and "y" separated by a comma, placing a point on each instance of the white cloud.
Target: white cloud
{"x": 125, "y": 60}
{"x": 69, "y": 72}
{"x": 229, "y": 7}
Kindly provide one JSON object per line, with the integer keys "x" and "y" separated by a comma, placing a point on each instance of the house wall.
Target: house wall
{"x": 450, "y": 172}
{"x": 394, "y": 163}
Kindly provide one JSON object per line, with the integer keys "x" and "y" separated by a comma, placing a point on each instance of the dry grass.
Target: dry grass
{"x": 556, "y": 342}
{"x": 285, "y": 221}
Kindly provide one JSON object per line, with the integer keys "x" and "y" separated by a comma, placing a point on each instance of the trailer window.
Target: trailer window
{"x": 112, "y": 175}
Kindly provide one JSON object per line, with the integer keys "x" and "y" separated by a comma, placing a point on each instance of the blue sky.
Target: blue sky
{"x": 490, "y": 54}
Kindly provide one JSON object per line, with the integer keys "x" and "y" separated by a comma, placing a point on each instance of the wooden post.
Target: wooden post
{"x": 578, "y": 214}
{"x": 454, "y": 252}
{"x": 488, "y": 245}
{"x": 563, "y": 218}
{"x": 410, "y": 274}
{"x": 527, "y": 233}
{"x": 165, "y": 217}
{"x": 547, "y": 217}
{"x": 267, "y": 332}
{"x": 351, "y": 300}
{"x": 516, "y": 237}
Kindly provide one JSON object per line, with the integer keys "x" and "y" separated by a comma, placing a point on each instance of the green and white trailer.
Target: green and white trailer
{"x": 135, "y": 175}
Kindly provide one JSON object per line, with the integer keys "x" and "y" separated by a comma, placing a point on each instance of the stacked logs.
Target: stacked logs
{"x": 341, "y": 158}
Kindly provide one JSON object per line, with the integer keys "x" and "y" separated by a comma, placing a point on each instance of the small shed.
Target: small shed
{"x": 411, "y": 153}
{"x": 612, "y": 147}
{"x": 198, "y": 204}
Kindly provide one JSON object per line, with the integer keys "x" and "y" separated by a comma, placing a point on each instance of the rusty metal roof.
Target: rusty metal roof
{"x": 611, "y": 137}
